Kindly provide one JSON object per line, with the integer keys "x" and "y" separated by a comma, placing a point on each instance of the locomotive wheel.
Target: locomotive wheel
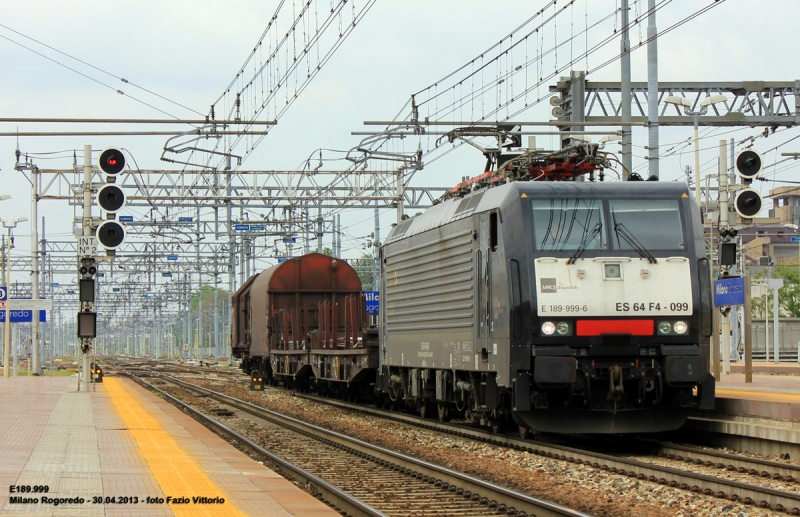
{"x": 443, "y": 413}
{"x": 524, "y": 432}
{"x": 496, "y": 425}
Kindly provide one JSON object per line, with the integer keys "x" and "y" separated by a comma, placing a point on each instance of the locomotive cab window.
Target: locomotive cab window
{"x": 567, "y": 224}
{"x": 634, "y": 219}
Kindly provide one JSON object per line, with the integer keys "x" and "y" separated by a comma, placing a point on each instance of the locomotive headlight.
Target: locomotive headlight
{"x": 681, "y": 327}
{"x": 664, "y": 327}
{"x": 548, "y": 327}
{"x": 562, "y": 327}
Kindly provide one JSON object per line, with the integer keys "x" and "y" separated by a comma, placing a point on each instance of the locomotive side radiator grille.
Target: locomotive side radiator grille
{"x": 429, "y": 286}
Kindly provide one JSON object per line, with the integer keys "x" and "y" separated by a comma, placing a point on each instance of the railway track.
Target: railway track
{"x": 641, "y": 467}
{"x": 707, "y": 484}
{"x": 383, "y": 480}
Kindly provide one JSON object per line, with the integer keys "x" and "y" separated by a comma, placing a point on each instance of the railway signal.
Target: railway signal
{"x": 748, "y": 202}
{"x": 110, "y": 233}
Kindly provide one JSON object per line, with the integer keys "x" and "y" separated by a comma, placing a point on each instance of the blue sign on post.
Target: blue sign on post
{"x": 257, "y": 227}
{"x": 373, "y": 304}
{"x": 22, "y": 316}
{"x": 241, "y": 227}
{"x": 185, "y": 219}
{"x": 289, "y": 240}
{"x": 172, "y": 257}
{"x": 729, "y": 291}
{"x": 126, "y": 218}
{"x": 795, "y": 239}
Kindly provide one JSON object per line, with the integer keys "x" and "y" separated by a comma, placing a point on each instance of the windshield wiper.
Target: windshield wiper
{"x": 628, "y": 237}
{"x": 585, "y": 242}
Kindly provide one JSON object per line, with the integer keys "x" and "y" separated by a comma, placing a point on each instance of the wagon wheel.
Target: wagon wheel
{"x": 497, "y": 426}
{"x": 442, "y": 412}
{"x": 423, "y": 410}
{"x": 524, "y": 432}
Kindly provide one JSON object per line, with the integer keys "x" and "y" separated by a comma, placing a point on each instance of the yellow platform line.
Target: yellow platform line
{"x": 175, "y": 471}
{"x": 759, "y": 394}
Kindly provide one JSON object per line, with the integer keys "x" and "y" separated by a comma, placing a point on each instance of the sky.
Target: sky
{"x": 188, "y": 51}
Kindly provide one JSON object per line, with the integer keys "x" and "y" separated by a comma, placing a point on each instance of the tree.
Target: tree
{"x": 788, "y": 295}
{"x": 365, "y": 266}
{"x": 207, "y": 293}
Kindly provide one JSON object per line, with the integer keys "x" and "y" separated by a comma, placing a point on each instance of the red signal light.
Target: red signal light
{"x": 111, "y": 161}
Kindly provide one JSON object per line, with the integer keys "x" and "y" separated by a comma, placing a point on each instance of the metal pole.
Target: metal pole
{"x": 319, "y": 228}
{"x": 625, "y": 91}
{"x": 7, "y": 323}
{"x": 189, "y": 316}
{"x": 652, "y": 89}
{"x": 338, "y": 236}
{"x": 87, "y": 231}
{"x": 776, "y": 328}
{"x": 400, "y": 192}
{"x": 766, "y": 325}
{"x": 697, "y": 159}
{"x": 34, "y": 367}
{"x": 216, "y": 321}
{"x": 376, "y": 245}
{"x": 725, "y": 341}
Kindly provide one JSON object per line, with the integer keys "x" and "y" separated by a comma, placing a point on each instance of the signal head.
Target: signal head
{"x": 111, "y": 198}
{"x": 111, "y": 161}
{"x": 110, "y": 234}
{"x": 88, "y": 267}
{"x": 748, "y": 203}
{"x": 748, "y": 164}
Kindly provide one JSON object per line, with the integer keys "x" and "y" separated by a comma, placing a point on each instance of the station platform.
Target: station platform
{"x": 122, "y": 451}
{"x": 768, "y": 368}
{"x": 770, "y": 395}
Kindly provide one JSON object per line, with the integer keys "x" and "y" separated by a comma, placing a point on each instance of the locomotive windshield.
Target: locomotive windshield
{"x": 570, "y": 224}
{"x": 641, "y": 216}
{"x": 565, "y": 223}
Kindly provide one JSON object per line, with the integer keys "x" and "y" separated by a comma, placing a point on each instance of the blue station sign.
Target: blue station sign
{"x": 729, "y": 291}
{"x": 172, "y": 257}
{"x": 373, "y": 305}
{"x": 257, "y": 228}
{"x": 185, "y": 219}
{"x": 241, "y": 227}
{"x": 22, "y": 316}
{"x": 126, "y": 218}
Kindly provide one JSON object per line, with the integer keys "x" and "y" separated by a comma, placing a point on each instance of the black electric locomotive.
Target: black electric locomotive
{"x": 567, "y": 306}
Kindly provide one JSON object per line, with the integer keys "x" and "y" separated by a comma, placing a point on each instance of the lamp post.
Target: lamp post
{"x": 7, "y": 276}
{"x": 704, "y": 106}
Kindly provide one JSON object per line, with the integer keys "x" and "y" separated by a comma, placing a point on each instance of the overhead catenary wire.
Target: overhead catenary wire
{"x": 122, "y": 79}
